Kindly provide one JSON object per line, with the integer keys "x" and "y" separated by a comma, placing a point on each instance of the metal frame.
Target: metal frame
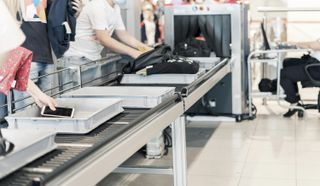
{"x": 98, "y": 165}
{"x": 278, "y": 96}
{"x": 238, "y": 46}
{"x": 10, "y": 101}
{"x": 194, "y": 96}
{"x": 179, "y": 151}
{"x": 293, "y": 9}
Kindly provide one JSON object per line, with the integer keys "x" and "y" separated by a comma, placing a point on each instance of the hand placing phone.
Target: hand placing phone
{"x": 40, "y": 98}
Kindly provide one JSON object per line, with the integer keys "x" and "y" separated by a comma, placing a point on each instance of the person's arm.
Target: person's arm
{"x": 126, "y": 38}
{"x": 314, "y": 45}
{"x": 114, "y": 45}
{"x": 39, "y": 97}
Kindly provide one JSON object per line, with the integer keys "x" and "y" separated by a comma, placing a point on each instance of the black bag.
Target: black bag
{"x": 162, "y": 61}
{"x": 157, "y": 55}
{"x": 175, "y": 65}
{"x": 5, "y": 146}
{"x": 192, "y": 48}
{"x": 268, "y": 85}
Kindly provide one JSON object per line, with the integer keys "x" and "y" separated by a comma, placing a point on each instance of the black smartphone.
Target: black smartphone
{"x": 61, "y": 112}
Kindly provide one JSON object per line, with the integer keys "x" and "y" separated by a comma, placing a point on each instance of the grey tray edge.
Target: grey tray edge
{"x": 36, "y": 150}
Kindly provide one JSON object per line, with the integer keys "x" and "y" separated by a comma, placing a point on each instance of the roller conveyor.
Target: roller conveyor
{"x": 99, "y": 152}
{"x": 33, "y": 172}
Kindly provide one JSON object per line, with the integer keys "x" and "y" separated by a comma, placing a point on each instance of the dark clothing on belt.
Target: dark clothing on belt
{"x": 293, "y": 72}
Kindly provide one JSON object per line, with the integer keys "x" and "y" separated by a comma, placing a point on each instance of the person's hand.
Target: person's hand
{"x": 77, "y": 5}
{"x": 44, "y": 100}
{"x": 136, "y": 54}
{"x": 144, "y": 48}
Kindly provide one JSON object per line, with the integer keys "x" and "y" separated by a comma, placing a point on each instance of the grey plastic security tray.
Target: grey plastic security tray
{"x": 29, "y": 145}
{"x": 207, "y": 62}
{"x": 132, "y": 97}
{"x": 89, "y": 114}
{"x": 161, "y": 78}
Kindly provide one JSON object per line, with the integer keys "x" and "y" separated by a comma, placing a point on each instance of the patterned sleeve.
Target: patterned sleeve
{"x": 22, "y": 75}
{"x": 14, "y": 72}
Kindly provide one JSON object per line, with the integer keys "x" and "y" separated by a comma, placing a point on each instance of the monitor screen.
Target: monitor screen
{"x": 265, "y": 38}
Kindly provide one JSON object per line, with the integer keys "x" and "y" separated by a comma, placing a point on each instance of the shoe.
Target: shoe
{"x": 291, "y": 112}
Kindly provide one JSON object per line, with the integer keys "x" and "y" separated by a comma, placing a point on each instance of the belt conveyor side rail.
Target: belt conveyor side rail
{"x": 134, "y": 125}
{"x": 191, "y": 87}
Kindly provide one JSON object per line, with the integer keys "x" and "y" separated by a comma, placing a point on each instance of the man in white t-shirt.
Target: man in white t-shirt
{"x": 98, "y": 21}
{"x": 96, "y": 24}
{"x": 294, "y": 71}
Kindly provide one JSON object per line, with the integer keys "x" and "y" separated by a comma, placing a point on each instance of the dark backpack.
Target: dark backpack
{"x": 268, "y": 85}
{"x": 61, "y": 26}
{"x": 175, "y": 65}
{"x": 192, "y": 48}
{"x": 161, "y": 61}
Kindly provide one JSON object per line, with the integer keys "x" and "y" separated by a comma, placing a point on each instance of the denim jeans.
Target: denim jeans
{"x": 44, "y": 83}
{"x": 3, "y": 110}
{"x": 70, "y": 78}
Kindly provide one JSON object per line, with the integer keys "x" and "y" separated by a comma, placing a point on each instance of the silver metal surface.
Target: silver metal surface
{"x": 29, "y": 145}
{"x": 144, "y": 170}
{"x": 161, "y": 78}
{"x": 106, "y": 159}
{"x": 206, "y": 86}
{"x": 132, "y": 96}
{"x": 89, "y": 114}
{"x": 207, "y": 62}
{"x": 210, "y": 118}
{"x": 179, "y": 152}
{"x": 290, "y": 9}
{"x": 239, "y": 42}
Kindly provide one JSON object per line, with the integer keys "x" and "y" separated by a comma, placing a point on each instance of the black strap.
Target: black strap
{"x": 5, "y": 146}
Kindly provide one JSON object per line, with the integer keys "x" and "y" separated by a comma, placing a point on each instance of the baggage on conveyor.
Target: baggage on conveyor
{"x": 162, "y": 61}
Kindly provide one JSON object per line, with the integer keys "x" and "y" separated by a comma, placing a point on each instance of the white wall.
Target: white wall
{"x": 298, "y": 31}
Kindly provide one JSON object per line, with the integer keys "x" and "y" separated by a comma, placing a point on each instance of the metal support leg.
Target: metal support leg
{"x": 179, "y": 152}
{"x": 79, "y": 76}
{"x": 9, "y": 103}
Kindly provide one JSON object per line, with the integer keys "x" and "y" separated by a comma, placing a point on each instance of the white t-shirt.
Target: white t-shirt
{"x": 96, "y": 15}
{"x": 315, "y": 54}
{"x": 10, "y": 34}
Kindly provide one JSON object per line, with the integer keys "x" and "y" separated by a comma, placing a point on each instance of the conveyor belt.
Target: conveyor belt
{"x": 73, "y": 149}
{"x": 69, "y": 147}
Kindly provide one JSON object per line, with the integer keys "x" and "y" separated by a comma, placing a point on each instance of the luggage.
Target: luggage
{"x": 175, "y": 65}
{"x": 268, "y": 85}
{"x": 192, "y": 47}
{"x": 162, "y": 61}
